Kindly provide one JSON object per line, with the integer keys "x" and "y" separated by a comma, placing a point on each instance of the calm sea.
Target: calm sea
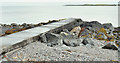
{"x": 42, "y": 12}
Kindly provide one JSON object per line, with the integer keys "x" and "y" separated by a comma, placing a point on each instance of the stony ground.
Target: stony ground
{"x": 91, "y": 41}
{"x": 38, "y": 51}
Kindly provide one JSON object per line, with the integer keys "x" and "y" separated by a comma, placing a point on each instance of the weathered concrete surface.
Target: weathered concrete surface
{"x": 23, "y": 38}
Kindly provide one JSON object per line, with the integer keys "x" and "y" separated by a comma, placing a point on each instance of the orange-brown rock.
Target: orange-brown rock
{"x": 10, "y": 31}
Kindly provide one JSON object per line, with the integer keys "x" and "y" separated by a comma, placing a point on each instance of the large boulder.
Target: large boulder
{"x": 90, "y": 28}
{"x": 94, "y": 24}
{"x": 71, "y": 42}
{"x": 110, "y": 45}
{"x": 51, "y": 39}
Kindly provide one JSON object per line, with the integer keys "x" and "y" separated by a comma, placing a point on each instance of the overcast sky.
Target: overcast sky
{"x": 85, "y": 1}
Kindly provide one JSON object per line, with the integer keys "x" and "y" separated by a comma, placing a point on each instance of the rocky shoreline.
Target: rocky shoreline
{"x": 6, "y": 29}
{"x": 90, "y": 41}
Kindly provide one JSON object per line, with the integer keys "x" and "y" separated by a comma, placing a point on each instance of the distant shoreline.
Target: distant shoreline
{"x": 92, "y": 5}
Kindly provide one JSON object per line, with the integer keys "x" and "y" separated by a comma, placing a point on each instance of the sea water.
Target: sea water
{"x": 42, "y": 12}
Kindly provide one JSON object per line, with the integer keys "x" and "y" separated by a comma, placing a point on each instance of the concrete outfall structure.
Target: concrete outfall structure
{"x": 20, "y": 39}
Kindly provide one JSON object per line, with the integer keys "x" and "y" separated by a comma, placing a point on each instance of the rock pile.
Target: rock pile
{"x": 14, "y": 27}
{"x": 85, "y": 34}
{"x": 90, "y": 41}
{"x": 98, "y": 31}
{"x": 51, "y": 39}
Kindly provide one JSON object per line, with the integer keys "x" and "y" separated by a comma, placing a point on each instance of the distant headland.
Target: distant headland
{"x": 91, "y": 5}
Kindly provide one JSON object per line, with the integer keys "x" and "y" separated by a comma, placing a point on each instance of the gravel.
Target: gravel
{"x": 38, "y": 51}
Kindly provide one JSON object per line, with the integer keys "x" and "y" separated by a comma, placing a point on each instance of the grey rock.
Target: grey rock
{"x": 94, "y": 24}
{"x": 102, "y": 35}
{"x": 88, "y": 41}
{"x": 14, "y": 24}
{"x": 108, "y": 26}
{"x": 119, "y": 53}
{"x": 88, "y": 32}
{"x": 68, "y": 35}
{"x": 85, "y": 32}
{"x": 85, "y": 42}
{"x": 30, "y": 25}
{"x": 24, "y": 25}
{"x": 65, "y": 30}
{"x": 43, "y": 38}
{"x": 90, "y": 29}
{"x": 51, "y": 39}
{"x": 110, "y": 45}
{"x": 94, "y": 35}
{"x": 71, "y": 42}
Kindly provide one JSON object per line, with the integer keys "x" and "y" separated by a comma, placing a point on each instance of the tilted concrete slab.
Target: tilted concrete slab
{"x": 25, "y": 37}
